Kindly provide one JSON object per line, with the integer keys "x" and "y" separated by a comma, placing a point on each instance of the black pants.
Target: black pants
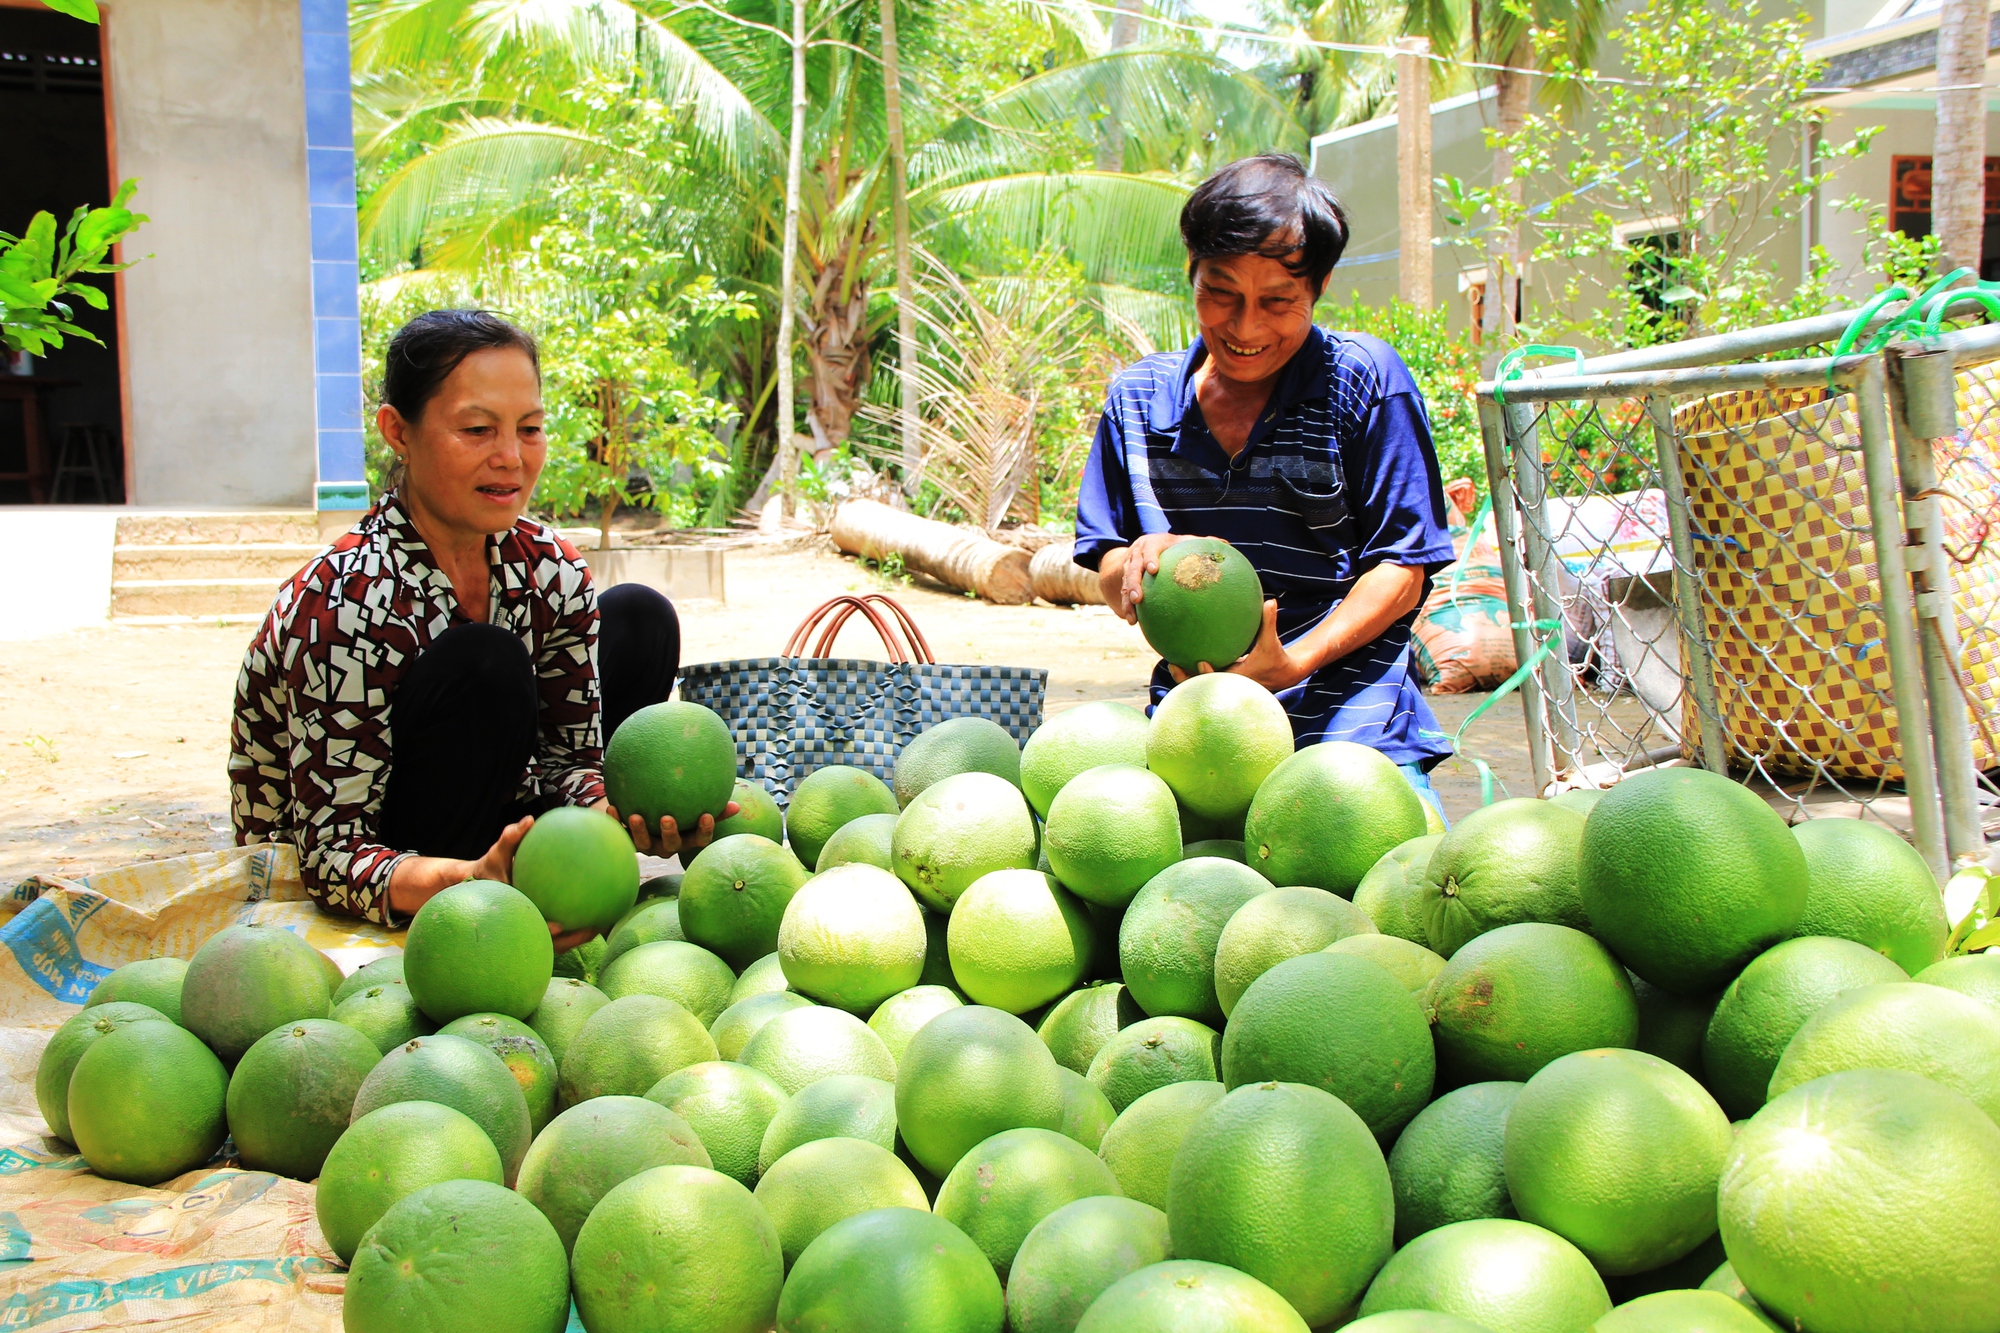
{"x": 466, "y": 718}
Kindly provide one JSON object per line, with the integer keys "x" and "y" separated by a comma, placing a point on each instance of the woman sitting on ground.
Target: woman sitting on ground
{"x": 445, "y": 670}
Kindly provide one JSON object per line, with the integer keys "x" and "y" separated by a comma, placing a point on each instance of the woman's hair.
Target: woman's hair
{"x": 426, "y": 350}
{"x": 1266, "y": 205}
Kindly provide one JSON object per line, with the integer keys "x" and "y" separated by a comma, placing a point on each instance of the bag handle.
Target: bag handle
{"x": 920, "y": 648}
{"x": 830, "y": 616}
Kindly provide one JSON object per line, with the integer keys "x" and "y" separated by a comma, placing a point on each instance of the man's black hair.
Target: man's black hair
{"x": 1266, "y": 205}
{"x": 426, "y": 350}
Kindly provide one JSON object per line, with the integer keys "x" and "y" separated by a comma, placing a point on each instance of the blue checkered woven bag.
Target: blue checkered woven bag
{"x": 794, "y": 714}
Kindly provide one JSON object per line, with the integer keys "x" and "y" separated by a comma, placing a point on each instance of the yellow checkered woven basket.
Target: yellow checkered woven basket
{"x": 1779, "y": 508}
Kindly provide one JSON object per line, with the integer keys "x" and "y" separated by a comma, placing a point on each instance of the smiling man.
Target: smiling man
{"x": 1310, "y": 451}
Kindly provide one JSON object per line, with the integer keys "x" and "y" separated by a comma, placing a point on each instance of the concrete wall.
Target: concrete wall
{"x": 1906, "y": 130}
{"x": 207, "y": 100}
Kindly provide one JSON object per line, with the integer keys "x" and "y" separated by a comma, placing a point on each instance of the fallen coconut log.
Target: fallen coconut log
{"x": 956, "y": 557}
{"x": 1058, "y": 578}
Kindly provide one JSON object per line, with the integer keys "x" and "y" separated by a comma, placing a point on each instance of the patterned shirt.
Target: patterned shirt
{"x": 1338, "y": 476}
{"x": 310, "y": 745}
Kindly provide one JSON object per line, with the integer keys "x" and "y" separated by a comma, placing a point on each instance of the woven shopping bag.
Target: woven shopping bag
{"x": 802, "y": 711}
{"x": 1779, "y": 509}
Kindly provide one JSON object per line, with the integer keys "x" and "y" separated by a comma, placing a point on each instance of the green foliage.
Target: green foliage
{"x": 76, "y": 9}
{"x": 1445, "y": 366}
{"x": 39, "y": 272}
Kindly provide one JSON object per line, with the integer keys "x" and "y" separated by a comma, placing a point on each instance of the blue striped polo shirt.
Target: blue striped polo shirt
{"x": 1338, "y": 476}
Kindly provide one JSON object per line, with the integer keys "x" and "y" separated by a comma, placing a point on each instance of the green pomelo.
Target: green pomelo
{"x": 1274, "y": 926}
{"x": 825, "y": 1180}
{"x": 1580, "y": 799}
{"x": 900, "y": 1017}
{"x": 729, "y": 1107}
{"x": 954, "y": 746}
{"x": 385, "y": 1014}
{"x": 67, "y": 1045}
{"x": 1110, "y": 830}
{"x": 1926, "y": 1030}
{"x": 802, "y": 1046}
{"x": 1075, "y": 1254}
{"x": 566, "y": 1006}
{"x": 1214, "y": 739}
{"x": 578, "y": 867}
{"x": 1688, "y": 876}
{"x": 1141, "y": 1143}
{"x": 1515, "y": 860}
{"x": 674, "y": 760}
{"x": 1414, "y": 1321}
{"x": 1496, "y": 1272}
{"x": 479, "y": 947}
{"x": 1976, "y": 975}
{"x": 1285, "y": 1183}
{"x": 1618, "y": 1153}
{"x": 1769, "y": 1002}
{"x": 958, "y": 829}
{"x": 852, "y": 937}
{"x": 756, "y": 812}
{"x": 1079, "y": 1024}
{"x": 147, "y": 1102}
{"x": 865, "y": 841}
{"x": 1434, "y": 821}
{"x": 458, "y": 1255}
{"x": 1204, "y": 606}
{"x": 1077, "y": 739}
{"x": 849, "y": 1106}
{"x": 1520, "y": 996}
{"x": 1864, "y": 883}
{"x": 246, "y": 980}
{"x": 1005, "y": 1185}
{"x": 1672, "y": 1026}
{"x": 292, "y": 1095}
{"x": 1230, "y": 849}
{"x": 381, "y": 971}
{"x": 1342, "y": 1024}
{"x": 1017, "y": 940}
{"x": 630, "y": 1044}
{"x": 1724, "y": 1280}
{"x": 828, "y": 799}
{"x": 1168, "y": 938}
{"x": 677, "y": 1249}
{"x": 389, "y": 1154}
{"x": 583, "y": 962}
{"x": 1153, "y": 1053}
{"x": 458, "y": 1073}
{"x": 153, "y": 982}
{"x": 1392, "y": 892}
{"x": 1447, "y": 1167}
{"x": 1182, "y": 1295}
{"x": 1197, "y": 827}
{"x": 735, "y": 1026}
{"x": 1326, "y": 815}
{"x": 762, "y": 977}
{"x": 588, "y": 1149}
{"x": 649, "y": 923}
{"x": 969, "y": 1074}
{"x": 1682, "y": 1312}
{"x": 734, "y": 895}
{"x": 525, "y": 1054}
{"x": 687, "y": 974}
{"x": 891, "y": 1269}
{"x": 1087, "y": 1112}
{"x": 1866, "y": 1202}
{"x": 1414, "y": 966}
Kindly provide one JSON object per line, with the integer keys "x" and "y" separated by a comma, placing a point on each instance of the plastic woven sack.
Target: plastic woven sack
{"x": 1461, "y": 640}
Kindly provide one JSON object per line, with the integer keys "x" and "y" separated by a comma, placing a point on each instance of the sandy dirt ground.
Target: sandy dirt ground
{"x": 113, "y": 741}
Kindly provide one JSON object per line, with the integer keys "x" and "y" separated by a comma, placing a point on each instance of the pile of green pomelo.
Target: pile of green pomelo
{"x": 1151, "y": 1026}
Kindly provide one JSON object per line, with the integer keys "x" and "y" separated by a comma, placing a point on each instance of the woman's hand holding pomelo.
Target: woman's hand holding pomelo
{"x": 418, "y": 879}
{"x": 668, "y": 840}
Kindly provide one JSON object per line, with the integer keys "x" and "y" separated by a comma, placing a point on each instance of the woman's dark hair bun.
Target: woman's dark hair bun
{"x": 1266, "y": 205}
{"x": 426, "y": 350}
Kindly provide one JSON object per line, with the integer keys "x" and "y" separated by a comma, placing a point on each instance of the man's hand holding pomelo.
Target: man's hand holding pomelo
{"x": 1124, "y": 571}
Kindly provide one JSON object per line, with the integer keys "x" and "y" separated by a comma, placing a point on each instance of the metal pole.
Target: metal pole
{"x": 1500, "y": 485}
{"x": 1697, "y": 668}
{"x": 1923, "y": 396}
{"x": 1899, "y": 629}
{"x": 1531, "y": 492}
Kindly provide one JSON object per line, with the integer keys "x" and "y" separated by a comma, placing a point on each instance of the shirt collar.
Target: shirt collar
{"x": 412, "y": 555}
{"x": 1303, "y": 379}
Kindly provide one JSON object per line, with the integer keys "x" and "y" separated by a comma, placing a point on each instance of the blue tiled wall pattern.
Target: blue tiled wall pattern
{"x": 343, "y": 483}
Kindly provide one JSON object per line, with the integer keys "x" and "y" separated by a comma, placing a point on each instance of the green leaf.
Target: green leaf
{"x": 76, "y": 9}
{"x": 91, "y": 296}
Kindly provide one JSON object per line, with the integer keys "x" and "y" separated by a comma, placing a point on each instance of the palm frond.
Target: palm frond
{"x": 1117, "y": 228}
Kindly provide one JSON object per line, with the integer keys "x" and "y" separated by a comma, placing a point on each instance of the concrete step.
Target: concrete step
{"x": 199, "y": 599}
{"x": 256, "y": 527}
{"x": 275, "y": 561}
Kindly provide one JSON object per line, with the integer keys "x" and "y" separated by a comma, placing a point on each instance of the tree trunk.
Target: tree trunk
{"x": 788, "y": 456}
{"x": 1958, "y": 154}
{"x": 1111, "y": 134}
{"x": 837, "y": 347}
{"x": 1058, "y": 578}
{"x": 906, "y": 283}
{"x": 1504, "y": 244}
{"x": 955, "y": 557}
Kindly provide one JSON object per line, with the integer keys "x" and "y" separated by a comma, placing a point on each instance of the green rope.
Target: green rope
{"x": 1511, "y": 365}
{"x": 1553, "y": 637}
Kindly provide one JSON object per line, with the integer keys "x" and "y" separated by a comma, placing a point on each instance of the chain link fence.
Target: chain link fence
{"x": 1784, "y": 570}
